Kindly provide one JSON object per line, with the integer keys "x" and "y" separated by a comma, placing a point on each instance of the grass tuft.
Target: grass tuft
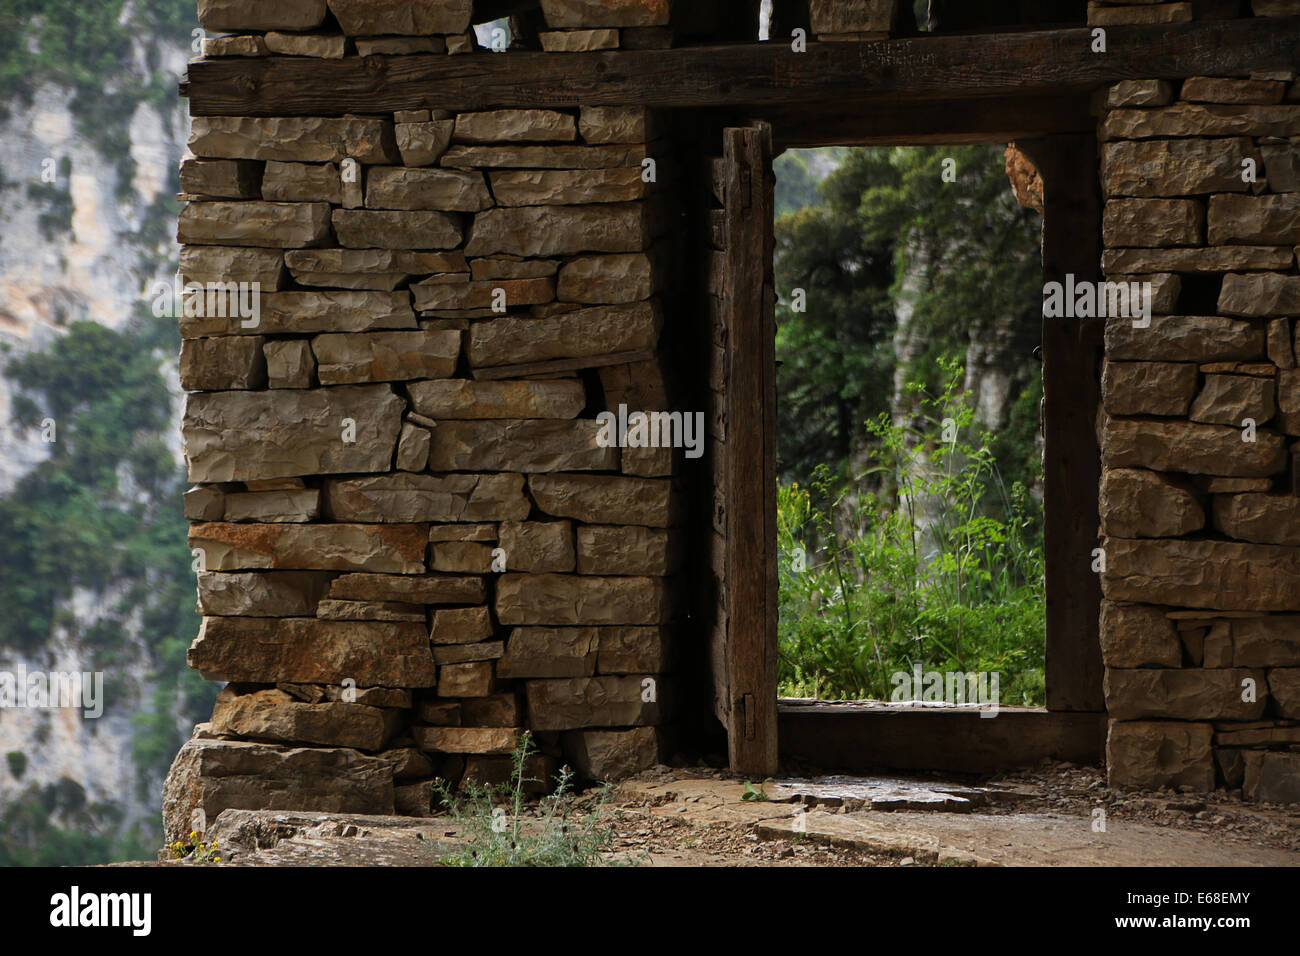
{"x": 504, "y": 830}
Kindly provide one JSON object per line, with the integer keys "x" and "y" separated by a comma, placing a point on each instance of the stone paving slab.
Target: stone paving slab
{"x": 1021, "y": 839}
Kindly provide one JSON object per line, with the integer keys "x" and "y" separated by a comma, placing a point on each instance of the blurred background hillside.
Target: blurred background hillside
{"x": 94, "y": 566}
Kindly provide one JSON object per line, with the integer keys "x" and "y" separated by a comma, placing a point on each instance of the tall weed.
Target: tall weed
{"x": 937, "y": 564}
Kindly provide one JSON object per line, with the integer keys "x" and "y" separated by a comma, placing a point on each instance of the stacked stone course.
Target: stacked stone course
{"x": 332, "y": 29}
{"x": 1200, "y": 514}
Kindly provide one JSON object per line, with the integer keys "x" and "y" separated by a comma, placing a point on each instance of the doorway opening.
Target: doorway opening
{"x": 966, "y": 550}
{"x": 917, "y": 512}
{"x": 909, "y": 441}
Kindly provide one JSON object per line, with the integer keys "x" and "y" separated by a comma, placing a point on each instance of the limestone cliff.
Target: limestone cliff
{"x": 87, "y": 202}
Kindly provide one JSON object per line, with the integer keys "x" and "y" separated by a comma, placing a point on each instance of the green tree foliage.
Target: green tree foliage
{"x": 836, "y": 359}
{"x": 978, "y": 246}
{"x": 87, "y": 46}
{"x": 908, "y": 551}
{"x": 961, "y": 593}
{"x": 31, "y": 833}
{"x": 104, "y": 513}
{"x": 973, "y": 253}
{"x": 799, "y": 173}
{"x": 81, "y": 44}
{"x": 796, "y": 185}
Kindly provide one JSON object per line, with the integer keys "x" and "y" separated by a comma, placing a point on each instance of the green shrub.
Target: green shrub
{"x": 55, "y": 825}
{"x": 940, "y": 569}
{"x": 56, "y": 218}
{"x": 103, "y": 511}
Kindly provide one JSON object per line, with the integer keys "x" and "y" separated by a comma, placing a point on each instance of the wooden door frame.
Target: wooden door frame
{"x": 746, "y": 673}
{"x": 1072, "y": 724}
{"x": 1072, "y": 357}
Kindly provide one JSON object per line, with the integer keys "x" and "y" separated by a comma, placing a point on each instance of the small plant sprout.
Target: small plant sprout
{"x": 194, "y": 850}
{"x": 758, "y": 793}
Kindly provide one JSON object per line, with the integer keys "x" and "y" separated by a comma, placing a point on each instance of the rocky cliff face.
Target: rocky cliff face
{"x": 86, "y": 228}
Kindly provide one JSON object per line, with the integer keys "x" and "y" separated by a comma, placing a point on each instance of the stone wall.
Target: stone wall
{"x": 412, "y": 539}
{"x": 1200, "y": 515}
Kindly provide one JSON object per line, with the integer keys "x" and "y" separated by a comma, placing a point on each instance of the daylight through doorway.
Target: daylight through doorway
{"x": 910, "y": 449}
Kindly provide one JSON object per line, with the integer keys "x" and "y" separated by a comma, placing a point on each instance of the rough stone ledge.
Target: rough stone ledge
{"x": 292, "y": 838}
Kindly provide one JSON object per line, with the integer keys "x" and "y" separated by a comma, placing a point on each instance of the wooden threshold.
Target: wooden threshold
{"x": 866, "y": 737}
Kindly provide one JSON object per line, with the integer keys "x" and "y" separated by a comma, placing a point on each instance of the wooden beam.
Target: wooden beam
{"x": 850, "y": 738}
{"x": 929, "y": 67}
{"x": 750, "y": 398}
{"x": 985, "y": 120}
{"x": 1072, "y": 350}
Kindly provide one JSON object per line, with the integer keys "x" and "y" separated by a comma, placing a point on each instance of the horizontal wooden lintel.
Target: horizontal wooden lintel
{"x": 919, "y": 123}
{"x": 746, "y": 74}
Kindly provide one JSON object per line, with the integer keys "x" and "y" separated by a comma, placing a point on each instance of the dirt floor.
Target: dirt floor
{"x": 1052, "y": 815}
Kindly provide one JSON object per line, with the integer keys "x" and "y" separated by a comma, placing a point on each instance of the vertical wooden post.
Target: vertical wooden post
{"x": 1072, "y": 351}
{"x": 750, "y": 313}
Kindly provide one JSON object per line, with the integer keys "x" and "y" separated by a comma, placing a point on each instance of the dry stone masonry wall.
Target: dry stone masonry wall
{"x": 412, "y": 541}
{"x": 1200, "y": 510}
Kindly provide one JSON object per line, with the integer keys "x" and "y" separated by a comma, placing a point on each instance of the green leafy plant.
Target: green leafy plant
{"x": 503, "y": 830}
{"x": 940, "y": 568}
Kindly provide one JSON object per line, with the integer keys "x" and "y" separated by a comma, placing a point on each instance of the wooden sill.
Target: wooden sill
{"x": 866, "y": 736}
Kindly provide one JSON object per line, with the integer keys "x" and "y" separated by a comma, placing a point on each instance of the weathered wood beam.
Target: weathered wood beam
{"x": 913, "y": 123}
{"x": 750, "y": 401}
{"x": 931, "y": 67}
{"x": 847, "y": 738}
{"x": 1072, "y": 354}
